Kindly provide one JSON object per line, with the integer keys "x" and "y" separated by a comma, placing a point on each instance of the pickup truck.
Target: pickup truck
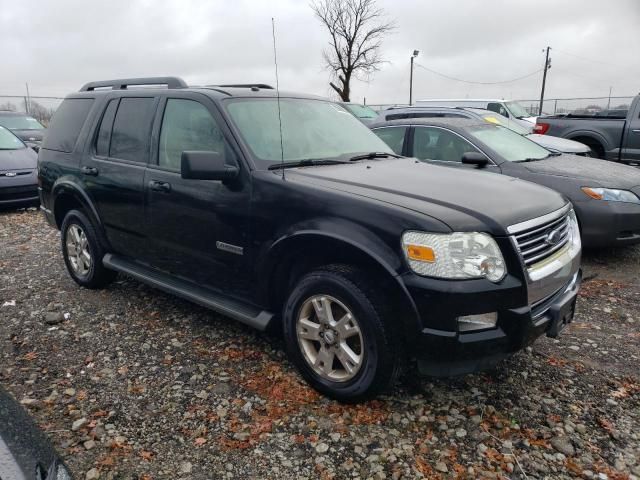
{"x": 611, "y": 138}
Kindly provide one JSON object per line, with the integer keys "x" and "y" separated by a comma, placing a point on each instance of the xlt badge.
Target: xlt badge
{"x": 227, "y": 247}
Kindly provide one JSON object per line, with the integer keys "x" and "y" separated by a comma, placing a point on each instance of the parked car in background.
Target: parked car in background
{"x": 613, "y": 113}
{"x": 510, "y": 109}
{"x": 363, "y": 113}
{"x": 27, "y": 128}
{"x": 312, "y": 225}
{"x": 18, "y": 172}
{"x": 611, "y": 138}
{"x": 25, "y": 451}
{"x": 606, "y": 197}
{"x": 552, "y": 143}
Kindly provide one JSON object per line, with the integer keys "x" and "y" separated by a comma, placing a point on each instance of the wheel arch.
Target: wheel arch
{"x": 292, "y": 256}
{"x": 591, "y": 139}
{"x": 66, "y": 195}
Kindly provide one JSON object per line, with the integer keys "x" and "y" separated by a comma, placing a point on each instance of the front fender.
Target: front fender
{"x": 344, "y": 231}
{"x": 337, "y": 233}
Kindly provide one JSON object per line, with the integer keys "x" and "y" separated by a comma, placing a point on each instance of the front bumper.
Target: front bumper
{"x": 19, "y": 196}
{"x": 448, "y": 353}
{"x": 608, "y": 223}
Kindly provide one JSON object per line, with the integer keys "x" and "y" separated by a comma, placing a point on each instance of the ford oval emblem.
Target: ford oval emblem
{"x": 554, "y": 237}
{"x": 10, "y": 174}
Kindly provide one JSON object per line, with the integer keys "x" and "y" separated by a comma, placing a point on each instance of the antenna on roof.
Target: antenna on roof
{"x": 275, "y": 61}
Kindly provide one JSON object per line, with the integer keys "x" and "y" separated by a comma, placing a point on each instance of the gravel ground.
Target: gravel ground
{"x": 132, "y": 383}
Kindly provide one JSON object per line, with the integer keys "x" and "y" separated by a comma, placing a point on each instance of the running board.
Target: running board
{"x": 247, "y": 314}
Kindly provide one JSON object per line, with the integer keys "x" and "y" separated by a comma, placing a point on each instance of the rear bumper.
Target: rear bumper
{"x": 607, "y": 224}
{"x": 448, "y": 353}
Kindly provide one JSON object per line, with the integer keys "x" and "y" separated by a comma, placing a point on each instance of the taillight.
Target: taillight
{"x": 541, "y": 128}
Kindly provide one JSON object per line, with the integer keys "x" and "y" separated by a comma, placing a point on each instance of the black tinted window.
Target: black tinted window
{"x": 188, "y": 125}
{"x": 67, "y": 123}
{"x": 104, "y": 133}
{"x": 131, "y": 129}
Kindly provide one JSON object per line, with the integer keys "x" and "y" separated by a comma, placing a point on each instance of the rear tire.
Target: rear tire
{"x": 337, "y": 334}
{"x": 83, "y": 252}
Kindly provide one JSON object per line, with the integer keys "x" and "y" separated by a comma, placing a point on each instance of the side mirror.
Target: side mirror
{"x": 475, "y": 158}
{"x": 206, "y": 166}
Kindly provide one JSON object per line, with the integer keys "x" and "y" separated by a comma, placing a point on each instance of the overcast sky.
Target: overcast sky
{"x": 58, "y": 45}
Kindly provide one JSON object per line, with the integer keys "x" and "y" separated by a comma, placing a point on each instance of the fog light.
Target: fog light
{"x": 477, "y": 322}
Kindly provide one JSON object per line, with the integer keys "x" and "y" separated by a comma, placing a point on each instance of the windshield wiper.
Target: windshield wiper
{"x": 372, "y": 155}
{"x": 307, "y": 162}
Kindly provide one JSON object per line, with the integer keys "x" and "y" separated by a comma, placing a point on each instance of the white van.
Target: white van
{"x": 507, "y": 108}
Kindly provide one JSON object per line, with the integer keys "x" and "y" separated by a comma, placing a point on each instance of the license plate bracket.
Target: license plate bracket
{"x": 561, "y": 315}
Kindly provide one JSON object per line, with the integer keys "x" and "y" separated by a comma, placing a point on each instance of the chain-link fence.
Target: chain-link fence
{"x": 41, "y": 108}
{"x": 583, "y": 105}
{"x": 586, "y": 105}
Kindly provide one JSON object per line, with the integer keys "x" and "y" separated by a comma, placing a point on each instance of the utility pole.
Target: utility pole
{"x": 609, "y": 101}
{"x": 27, "y": 103}
{"x": 415, "y": 54}
{"x": 547, "y": 66}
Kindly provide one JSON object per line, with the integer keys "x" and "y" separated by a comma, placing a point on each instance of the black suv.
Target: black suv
{"x": 284, "y": 209}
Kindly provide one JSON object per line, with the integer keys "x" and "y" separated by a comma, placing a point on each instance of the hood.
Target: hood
{"x": 529, "y": 119}
{"x": 22, "y": 159}
{"x": 559, "y": 144}
{"x": 597, "y": 172}
{"x": 29, "y": 135}
{"x": 464, "y": 199}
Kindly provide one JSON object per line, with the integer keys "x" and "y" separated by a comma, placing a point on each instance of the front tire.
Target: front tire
{"x": 337, "y": 334}
{"x": 83, "y": 252}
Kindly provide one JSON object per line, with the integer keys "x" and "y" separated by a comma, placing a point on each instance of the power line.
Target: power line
{"x": 585, "y": 59}
{"x": 478, "y": 83}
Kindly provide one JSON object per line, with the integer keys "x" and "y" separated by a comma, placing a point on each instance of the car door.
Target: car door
{"x": 631, "y": 141}
{"x": 197, "y": 229}
{"x": 442, "y": 146}
{"x": 113, "y": 172}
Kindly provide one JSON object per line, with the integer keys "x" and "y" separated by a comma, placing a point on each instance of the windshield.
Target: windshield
{"x": 517, "y": 110}
{"x": 311, "y": 129}
{"x": 8, "y": 141}
{"x": 500, "y": 120}
{"x": 20, "y": 122}
{"x": 508, "y": 144}
{"x": 361, "y": 111}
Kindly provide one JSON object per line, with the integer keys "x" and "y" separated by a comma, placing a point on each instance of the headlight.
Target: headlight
{"x": 575, "y": 241}
{"x": 454, "y": 255}
{"x": 611, "y": 194}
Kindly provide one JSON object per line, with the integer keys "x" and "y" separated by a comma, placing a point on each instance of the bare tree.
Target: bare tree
{"x": 357, "y": 28}
{"x": 39, "y": 112}
{"x": 8, "y": 106}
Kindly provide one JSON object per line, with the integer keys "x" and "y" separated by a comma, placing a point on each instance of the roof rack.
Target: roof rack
{"x": 246, "y": 85}
{"x": 124, "y": 83}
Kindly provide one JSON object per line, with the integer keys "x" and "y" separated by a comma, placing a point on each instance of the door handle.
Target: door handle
{"x": 93, "y": 171}
{"x": 160, "y": 186}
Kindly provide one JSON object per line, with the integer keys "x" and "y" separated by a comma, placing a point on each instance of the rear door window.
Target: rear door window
{"x": 392, "y": 136}
{"x": 104, "y": 132}
{"x": 132, "y": 129}
{"x": 66, "y": 124}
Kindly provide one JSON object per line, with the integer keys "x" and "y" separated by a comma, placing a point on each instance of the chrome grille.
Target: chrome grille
{"x": 539, "y": 241}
